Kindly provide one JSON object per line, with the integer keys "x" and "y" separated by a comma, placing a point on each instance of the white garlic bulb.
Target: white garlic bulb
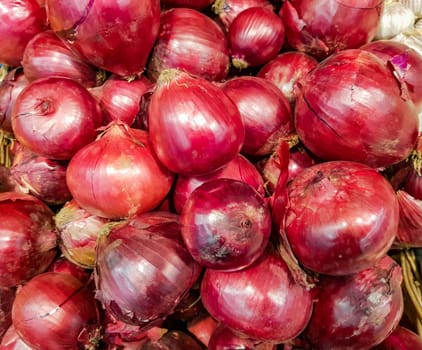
{"x": 414, "y": 5}
{"x": 395, "y": 18}
{"x": 418, "y": 24}
{"x": 411, "y": 38}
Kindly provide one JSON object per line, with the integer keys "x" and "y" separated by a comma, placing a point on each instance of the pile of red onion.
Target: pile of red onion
{"x": 213, "y": 174}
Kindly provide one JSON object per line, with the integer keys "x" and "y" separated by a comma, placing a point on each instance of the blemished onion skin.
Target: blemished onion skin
{"x": 118, "y": 175}
{"x": 357, "y": 311}
{"x": 46, "y": 55}
{"x": 195, "y": 127}
{"x": 338, "y": 114}
{"x": 286, "y": 69}
{"x": 401, "y": 339}
{"x": 113, "y": 35}
{"x": 320, "y": 28}
{"x": 28, "y": 238}
{"x": 255, "y": 36}
{"x": 51, "y": 311}
{"x": 239, "y": 168}
{"x": 261, "y": 301}
{"x": 195, "y": 4}
{"x": 142, "y": 274}
{"x": 190, "y": 41}
{"x": 357, "y": 226}
{"x": 19, "y": 22}
{"x": 62, "y": 111}
{"x": 226, "y": 224}
{"x": 265, "y": 112}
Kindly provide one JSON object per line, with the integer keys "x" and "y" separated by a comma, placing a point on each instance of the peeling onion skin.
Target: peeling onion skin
{"x": 109, "y": 34}
{"x": 12, "y": 341}
{"x": 401, "y": 339}
{"x": 357, "y": 311}
{"x": 357, "y": 225}
{"x": 409, "y": 233}
{"x": 338, "y": 114}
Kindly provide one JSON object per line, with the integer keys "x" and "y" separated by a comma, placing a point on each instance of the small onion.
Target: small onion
{"x": 255, "y": 37}
{"x": 401, "y": 339}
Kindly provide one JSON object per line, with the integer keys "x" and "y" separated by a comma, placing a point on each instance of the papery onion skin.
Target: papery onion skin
{"x": 357, "y": 311}
{"x": 261, "y": 301}
{"x": 401, "y": 339}
{"x": 117, "y": 36}
{"x": 255, "y": 37}
{"x": 409, "y": 233}
{"x": 12, "y": 341}
{"x": 357, "y": 226}
{"x": 19, "y": 22}
{"x": 118, "y": 175}
{"x": 28, "y": 238}
{"x": 46, "y": 55}
{"x": 190, "y": 41}
{"x": 338, "y": 114}
{"x": 195, "y": 4}
{"x": 62, "y": 111}
{"x": 195, "y": 128}
{"x": 52, "y": 309}
{"x": 321, "y": 28}
{"x": 226, "y": 224}
{"x": 239, "y": 168}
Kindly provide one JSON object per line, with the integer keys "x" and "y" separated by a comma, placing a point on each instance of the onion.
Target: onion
{"x": 12, "y": 341}
{"x": 357, "y": 226}
{"x": 7, "y": 296}
{"x": 78, "y": 231}
{"x": 63, "y": 113}
{"x": 357, "y": 311}
{"x": 286, "y": 69}
{"x": 265, "y": 111}
{"x": 42, "y": 177}
{"x": 338, "y": 114}
{"x": 117, "y": 36}
{"x": 202, "y": 327}
{"x": 46, "y": 55}
{"x": 190, "y": 41}
{"x": 412, "y": 183}
{"x": 53, "y": 310}
{"x": 195, "y": 4}
{"x": 255, "y": 37}
{"x": 226, "y": 224}
{"x": 173, "y": 340}
{"x": 19, "y": 22}
{"x": 320, "y": 28}
{"x": 261, "y": 301}
{"x": 239, "y": 168}
{"x": 142, "y": 274}
{"x": 401, "y": 339}
{"x": 28, "y": 238}
{"x": 195, "y": 128}
{"x": 63, "y": 265}
{"x": 409, "y": 233}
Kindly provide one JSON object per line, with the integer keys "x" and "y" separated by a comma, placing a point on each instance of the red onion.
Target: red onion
{"x": 63, "y": 113}
{"x": 239, "y": 168}
{"x": 195, "y": 128}
{"x": 412, "y": 183}
{"x": 401, "y": 339}
{"x": 19, "y": 22}
{"x": 227, "y": 10}
{"x": 63, "y": 265}
{"x": 28, "y": 238}
{"x": 115, "y": 36}
{"x": 261, "y": 301}
{"x": 342, "y": 104}
{"x": 357, "y": 311}
{"x": 42, "y": 177}
{"x": 265, "y": 111}
{"x": 357, "y": 226}
{"x": 322, "y": 27}
{"x": 7, "y": 296}
{"x": 173, "y": 340}
{"x": 286, "y": 69}
{"x": 53, "y": 310}
{"x": 195, "y": 4}
{"x": 202, "y": 327}
{"x": 142, "y": 274}
{"x": 78, "y": 231}
{"x": 46, "y": 55}
{"x": 190, "y": 41}
{"x": 12, "y": 341}
{"x": 118, "y": 175}
{"x": 255, "y": 37}
{"x": 409, "y": 233}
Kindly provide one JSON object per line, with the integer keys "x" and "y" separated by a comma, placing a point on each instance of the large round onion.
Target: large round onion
{"x": 262, "y": 301}
{"x": 28, "y": 238}
{"x": 343, "y": 102}
{"x": 116, "y": 36}
{"x": 357, "y": 225}
{"x": 195, "y": 128}
{"x": 63, "y": 113}
{"x": 190, "y": 41}
{"x": 118, "y": 175}
{"x": 322, "y": 27}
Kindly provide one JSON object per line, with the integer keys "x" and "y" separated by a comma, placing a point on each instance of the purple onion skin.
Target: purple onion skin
{"x": 401, "y": 339}
{"x": 173, "y": 340}
{"x": 357, "y": 311}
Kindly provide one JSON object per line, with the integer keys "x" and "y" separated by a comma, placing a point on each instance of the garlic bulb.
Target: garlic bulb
{"x": 414, "y": 5}
{"x": 411, "y": 38}
{"x": 418, "y": 24}
{"x": 395, "y": 18}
